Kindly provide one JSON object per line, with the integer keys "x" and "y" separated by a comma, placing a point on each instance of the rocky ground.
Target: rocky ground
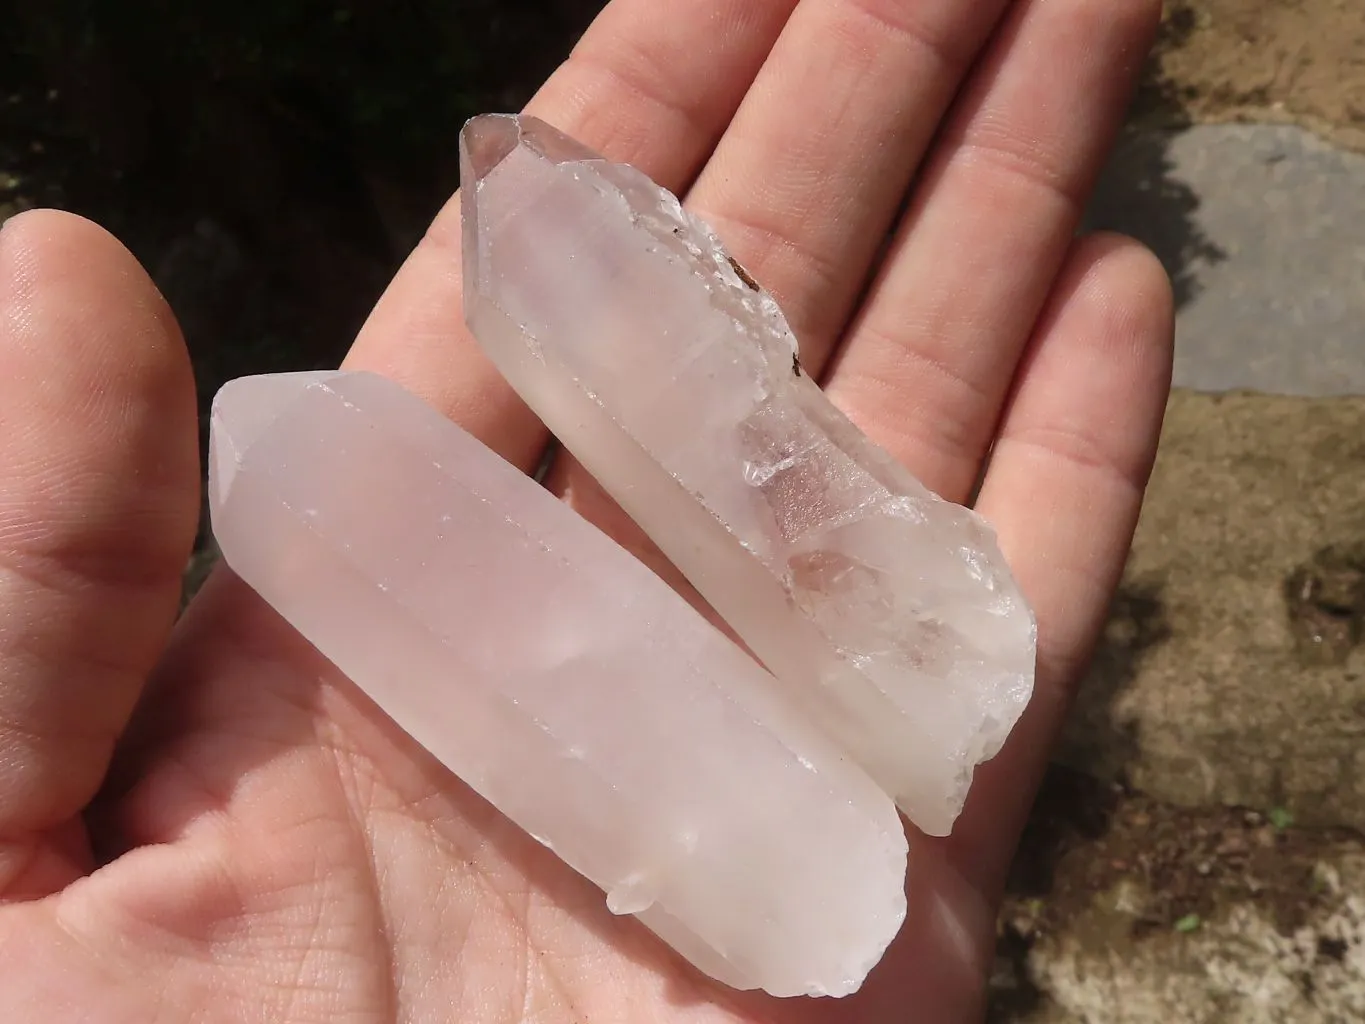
{"x": 1197, "y": 855}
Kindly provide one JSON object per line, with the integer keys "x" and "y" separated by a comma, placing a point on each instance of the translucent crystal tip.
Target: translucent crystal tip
{"x": 243, "y": 410}
{"x": 485, "y": 142}
{"x": 488, "y": 139}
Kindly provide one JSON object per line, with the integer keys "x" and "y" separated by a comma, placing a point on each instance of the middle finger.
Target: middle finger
{"x": 807, "y": 179}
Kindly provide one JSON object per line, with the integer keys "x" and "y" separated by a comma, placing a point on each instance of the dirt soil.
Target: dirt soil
{"x": 1299, "y": 61}
{"x": 1087, "y": 838}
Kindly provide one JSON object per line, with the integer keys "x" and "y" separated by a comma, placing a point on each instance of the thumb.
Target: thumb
{"x": 98, "y": 507}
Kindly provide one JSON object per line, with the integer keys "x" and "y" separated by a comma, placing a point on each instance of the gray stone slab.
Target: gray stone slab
{"x": 1263, "y": 230}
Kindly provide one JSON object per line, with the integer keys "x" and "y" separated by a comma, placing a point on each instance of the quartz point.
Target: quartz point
{"x": 888, "y": 614}
{"x": 559, "y": 678}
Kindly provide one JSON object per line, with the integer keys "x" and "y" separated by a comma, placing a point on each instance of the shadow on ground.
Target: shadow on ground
{"x": 1074, "y": 810}
{"x": 1139, "y": 193}
{"x": 1098, "y": 736}
{"x": 1071, "y": 810}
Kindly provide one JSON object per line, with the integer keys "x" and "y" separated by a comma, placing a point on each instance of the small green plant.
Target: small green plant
{"x": 1188, "y": 923}
{"x": 1280, "y": 818}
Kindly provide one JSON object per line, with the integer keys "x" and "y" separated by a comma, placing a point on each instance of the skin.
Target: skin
{"x": 208, "y": 823}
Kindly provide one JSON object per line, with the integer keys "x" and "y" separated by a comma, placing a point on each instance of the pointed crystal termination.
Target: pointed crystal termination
{"x": 887, "y": 613}
{"x": 559, "y": 678}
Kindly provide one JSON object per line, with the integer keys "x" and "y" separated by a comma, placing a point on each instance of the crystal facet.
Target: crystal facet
{"x": 559, "y": 678}
{"x": 888, "y": 614}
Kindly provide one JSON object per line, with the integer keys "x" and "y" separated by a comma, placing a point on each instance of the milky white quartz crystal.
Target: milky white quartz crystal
{"x": 887, "y": 613}
{"x": 558, "y": 677}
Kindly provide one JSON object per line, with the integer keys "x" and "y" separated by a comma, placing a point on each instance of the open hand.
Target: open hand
{"x": 214, "y": 825}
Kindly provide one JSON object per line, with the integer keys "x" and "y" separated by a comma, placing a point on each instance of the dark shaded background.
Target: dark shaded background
{"x": 269, "y": 161}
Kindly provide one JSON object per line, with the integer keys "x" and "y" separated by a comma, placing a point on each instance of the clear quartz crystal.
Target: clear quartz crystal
{"x": 559, "y": 678}
{"x": 888, "y": 614}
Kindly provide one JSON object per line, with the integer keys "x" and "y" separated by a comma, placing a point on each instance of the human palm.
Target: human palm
{"x": 220, "y": 826}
